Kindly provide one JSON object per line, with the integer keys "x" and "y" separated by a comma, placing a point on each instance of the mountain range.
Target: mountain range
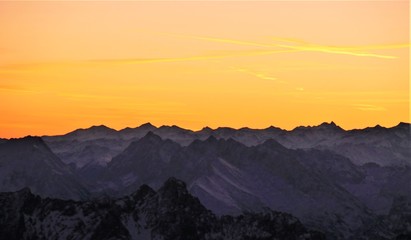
{"x": 169, "y": 213}
{"x": 384, "y": 146}
{"x": 347, "y": 184}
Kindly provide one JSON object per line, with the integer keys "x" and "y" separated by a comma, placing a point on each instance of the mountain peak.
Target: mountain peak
{"x": 27, "y": 141}
{"x": 151, "y": 137}
{"x": 403, "y": 125}
{"x": 29, "y": 138}
{"x": 174, "y": 128}
{"x": 147, "y": 125}
{"x": 95, "y": 129}
{"x": 225, "y": 130}
{"x": 93, "y": 132}
{"x": 206, "y": 129}
{"x": 165, "y": 215}
{"x": 325, "y": 126}
{"x": 100, "y": 128}
{"x": 330, "y": 125}
{"x": 211, "y": 139}
{"x": 173, "y": 187}
{"x": 272, "y": 144}
{"x": 272, "y": 128}
{"x": 143, "y": 192}
{"x": 24, "y": 190}
{"x": 172, "y": 181}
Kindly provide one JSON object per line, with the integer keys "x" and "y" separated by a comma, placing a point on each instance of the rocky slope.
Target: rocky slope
{"x": 230, "y": 177}
{"x": 28, "y": 162}
{"x": 170, "y": 213}
{"x": 343, "y": 183}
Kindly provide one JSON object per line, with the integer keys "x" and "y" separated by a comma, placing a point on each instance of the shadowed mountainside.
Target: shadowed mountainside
{"x": 346, "y": 184}
{"x": 99, "y": 144}
{"x": 169, "y": 213}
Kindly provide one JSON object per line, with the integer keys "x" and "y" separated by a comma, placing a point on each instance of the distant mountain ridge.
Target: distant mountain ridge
{"x": 384, "y": 146}
{"x": 346, "y": 184}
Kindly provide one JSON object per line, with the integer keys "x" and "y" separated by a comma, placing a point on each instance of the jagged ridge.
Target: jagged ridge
{"x": 170, "y": 213}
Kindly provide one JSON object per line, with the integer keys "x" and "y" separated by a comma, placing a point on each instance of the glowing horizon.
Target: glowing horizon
{"x": 70, "y": 65}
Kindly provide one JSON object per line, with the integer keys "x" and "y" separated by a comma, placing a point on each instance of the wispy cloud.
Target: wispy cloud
{"x": 348, "y": 48}
{"x": 121, "y": 61}
{"x": 15, "y": 89}
{"x": 222, "y": 40}
{"x": 221, "y": 55}
{"x": 10, "y": 87}
{"x": 151, "y": 60}
{"x": 369, "y": 107}
{"x": 88, "y": 96}
{"x": 257, "y": 74}
{"x": 302, "y": 46}
{"x": 276, "y": 46}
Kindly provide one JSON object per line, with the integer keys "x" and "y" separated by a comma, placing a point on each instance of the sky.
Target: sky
{"x": 74, "y": 64}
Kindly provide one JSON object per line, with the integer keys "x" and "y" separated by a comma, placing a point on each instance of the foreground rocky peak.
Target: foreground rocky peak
{"x": 170, "y": 213}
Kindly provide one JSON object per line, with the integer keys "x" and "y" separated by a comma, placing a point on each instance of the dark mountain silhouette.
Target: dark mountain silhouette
{"x": 384, "y": 146}
{"x": 344, "y": 183}
{"x": 169, "y": 213}
{"x": 28, "y": 162}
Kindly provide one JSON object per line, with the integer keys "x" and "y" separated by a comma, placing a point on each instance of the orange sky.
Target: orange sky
{"x": 66, "y": 65}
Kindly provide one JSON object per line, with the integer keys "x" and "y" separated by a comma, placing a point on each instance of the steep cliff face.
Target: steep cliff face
{"x": 170, "y": 213}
